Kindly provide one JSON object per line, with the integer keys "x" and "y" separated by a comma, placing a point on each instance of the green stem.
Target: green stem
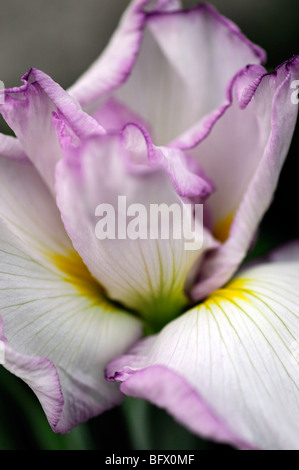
{"x": 136, "y": 414}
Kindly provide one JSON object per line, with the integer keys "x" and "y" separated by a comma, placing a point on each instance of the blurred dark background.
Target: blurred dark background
{"x": 62, "y": 37}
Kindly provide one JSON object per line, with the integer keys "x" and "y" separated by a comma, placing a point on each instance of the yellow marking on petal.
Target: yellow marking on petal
{"x": 76, "y": 273}
{"x": 235, "y": 290}
{"x": 222, "y": 228}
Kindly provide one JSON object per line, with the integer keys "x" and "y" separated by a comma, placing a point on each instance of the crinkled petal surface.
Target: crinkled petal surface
{"x": 187, "y": 176}
{"x": 57, "y": 329}
{"x": 243, "y": 155}
{"x": 29, "y": 110}
{"x": 228, "y": 369}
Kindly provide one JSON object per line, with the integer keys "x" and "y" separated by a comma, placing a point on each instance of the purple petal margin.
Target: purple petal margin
{"x": 185, "y": 173}
{"x": 221, "y": 264}
{"x": 170, "y": 391}
{"x": 40, "y": 375}
{"x": 112, "y": 69}
{"x": 82, "y": 124}
{"x": 94, "y": 83}
{"x": 200, "y": 131}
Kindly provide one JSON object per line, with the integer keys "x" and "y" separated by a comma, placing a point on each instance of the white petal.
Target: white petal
{"x": 145, "y": 274}
{"x": 238, "y": 353}
{"x": 58, "y": 330}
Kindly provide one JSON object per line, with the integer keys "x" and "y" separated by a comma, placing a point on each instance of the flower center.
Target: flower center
{"x": 157, "y": 311}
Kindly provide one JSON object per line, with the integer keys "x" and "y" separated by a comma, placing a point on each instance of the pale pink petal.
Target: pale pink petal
{"x": 40, "y": 374}
{"x": 168, "y": 390}
{"x": 228, "y": 368}
{"x": 29, "y": 110}
{"x": 244, "y": 155}
{"x": 185, "y": 173}
{"x": 114, "y": 65}
{"x": 114, "y": 116}
{"x": 181, "y": 81}
{"x": 10, "y": 147}
{"x": 173, "y": 68}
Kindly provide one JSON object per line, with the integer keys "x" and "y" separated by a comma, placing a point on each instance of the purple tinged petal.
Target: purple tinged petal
{"x": 180, "y": 96}
{"x": 41, "y": 376}
{"x": 29, "y": 109}
{"x": 262, "y": 133}
{"x": 217, "y": 51}
{"x": 10, "y": 147}
{"x": 246, "y": 84}
{"x": 186, "y": 174}
{"x": 170, "y": 391}
{"x": 114, "y": 65}
{"x": 200, "y": 130}
{"x": 114, "y": 115}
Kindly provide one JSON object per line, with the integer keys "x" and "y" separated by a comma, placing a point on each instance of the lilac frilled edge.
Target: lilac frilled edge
{"x": 133, "y": 24}
{"x": 82, "y": 124}
{"x": 118, "y": 66}
{"x": 186, "y": 174}
{"x": 199, "y": 132}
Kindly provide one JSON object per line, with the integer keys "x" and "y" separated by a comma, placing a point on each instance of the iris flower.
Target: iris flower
{"x": 178, "y": 109}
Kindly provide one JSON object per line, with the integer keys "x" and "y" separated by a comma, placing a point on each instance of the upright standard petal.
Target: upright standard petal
{"x": 57, "y": 329}
{"x": 252, "y": 138}
{"x": 114, "y": 65}
{"x": 197, "y": 53}
{"x": 172, "y": 68}
{"x": 107, "y": 191}
{"x": 29, "y": 110}
{"x": 228, "y": 369}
